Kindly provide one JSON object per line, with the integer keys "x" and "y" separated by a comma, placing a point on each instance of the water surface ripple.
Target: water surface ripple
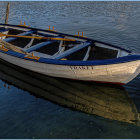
{"x": 23, "y": 115}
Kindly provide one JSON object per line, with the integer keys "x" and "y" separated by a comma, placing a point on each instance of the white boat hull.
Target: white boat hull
{"x": 120, "y": 73}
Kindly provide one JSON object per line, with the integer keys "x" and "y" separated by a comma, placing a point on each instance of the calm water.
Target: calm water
{"x": 23, "y": 115}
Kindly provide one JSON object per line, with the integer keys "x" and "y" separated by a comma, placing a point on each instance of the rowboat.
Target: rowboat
{"x": 67, "y": 56}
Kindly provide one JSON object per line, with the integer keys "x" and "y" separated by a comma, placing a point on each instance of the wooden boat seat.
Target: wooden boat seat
{"x": 38, "y": 46}
{"x": 72, "y": 50}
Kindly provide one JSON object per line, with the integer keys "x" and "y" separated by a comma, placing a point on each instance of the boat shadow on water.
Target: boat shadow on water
{"x": 108, "y": 101}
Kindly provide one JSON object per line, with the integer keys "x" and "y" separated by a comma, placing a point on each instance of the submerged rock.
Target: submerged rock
{"x": 104, "y": 100}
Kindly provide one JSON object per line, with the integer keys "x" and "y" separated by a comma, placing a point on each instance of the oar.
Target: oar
{"x": 37, "y": 37}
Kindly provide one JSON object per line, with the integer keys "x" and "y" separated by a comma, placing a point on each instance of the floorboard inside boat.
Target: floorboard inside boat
{"x": 20, "y": 42}
{"x": 98, "y": 53}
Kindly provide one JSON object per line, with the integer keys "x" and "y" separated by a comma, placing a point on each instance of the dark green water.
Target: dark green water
{"x": 24, "y": 115}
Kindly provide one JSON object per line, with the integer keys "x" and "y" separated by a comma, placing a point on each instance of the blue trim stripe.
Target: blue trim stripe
{"x": 91, "y": 63}
{"x": 38, "y": 46}
{"x": 77, "y": 63}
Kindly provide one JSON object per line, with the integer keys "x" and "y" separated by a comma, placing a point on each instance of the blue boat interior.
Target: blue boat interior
{"x": 81, "y": 48}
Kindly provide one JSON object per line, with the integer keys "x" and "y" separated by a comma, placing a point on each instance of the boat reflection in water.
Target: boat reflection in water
{"x": 107, "y": 101}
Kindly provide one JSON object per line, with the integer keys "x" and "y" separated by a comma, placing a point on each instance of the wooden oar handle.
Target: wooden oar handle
{"x": 36, "y": 37}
